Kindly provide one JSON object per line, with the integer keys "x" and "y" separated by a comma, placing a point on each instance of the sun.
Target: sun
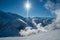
{"x": 27, "y": 5}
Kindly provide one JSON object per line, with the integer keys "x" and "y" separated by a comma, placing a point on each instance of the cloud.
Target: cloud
{"x": 57, "y": 6}
{"x": 49, "y": 5}
{"x": 52, "y": 5}
{"x": 54, "y": 8}
{"x": 41, "y": 0}
{"x": 28, "y": 31}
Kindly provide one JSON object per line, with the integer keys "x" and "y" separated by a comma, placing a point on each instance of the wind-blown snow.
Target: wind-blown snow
{"x": 38, "y": 26}
{"x": 54, "y": 8}
{"x": 29, "y": 31}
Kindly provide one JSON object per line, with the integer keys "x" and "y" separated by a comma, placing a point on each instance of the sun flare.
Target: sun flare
{"x": 27, "y": 5}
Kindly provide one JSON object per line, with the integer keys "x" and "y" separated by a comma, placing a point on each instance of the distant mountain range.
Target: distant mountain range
{"x": 11, "y": 24}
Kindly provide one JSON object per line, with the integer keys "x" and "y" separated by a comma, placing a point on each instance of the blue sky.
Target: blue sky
{"x": 17, "y": 7}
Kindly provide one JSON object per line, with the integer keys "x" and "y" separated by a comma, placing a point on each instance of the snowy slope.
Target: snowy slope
{"x": 11, "y": 24}
{"x": 51, "y": 35}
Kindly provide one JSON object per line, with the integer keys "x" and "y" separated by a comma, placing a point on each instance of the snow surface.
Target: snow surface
{"x": 51, "y": 35}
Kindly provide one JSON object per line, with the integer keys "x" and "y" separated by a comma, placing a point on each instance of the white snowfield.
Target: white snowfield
{"x": 51, "y": 35}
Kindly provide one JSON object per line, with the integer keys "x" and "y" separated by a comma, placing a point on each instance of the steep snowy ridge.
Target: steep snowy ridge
{"x": 11, "y": 24}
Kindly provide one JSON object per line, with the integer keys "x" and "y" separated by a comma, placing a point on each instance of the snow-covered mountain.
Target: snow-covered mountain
{"x": 11, "y": 24}
{"x": 43, "y": 20}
